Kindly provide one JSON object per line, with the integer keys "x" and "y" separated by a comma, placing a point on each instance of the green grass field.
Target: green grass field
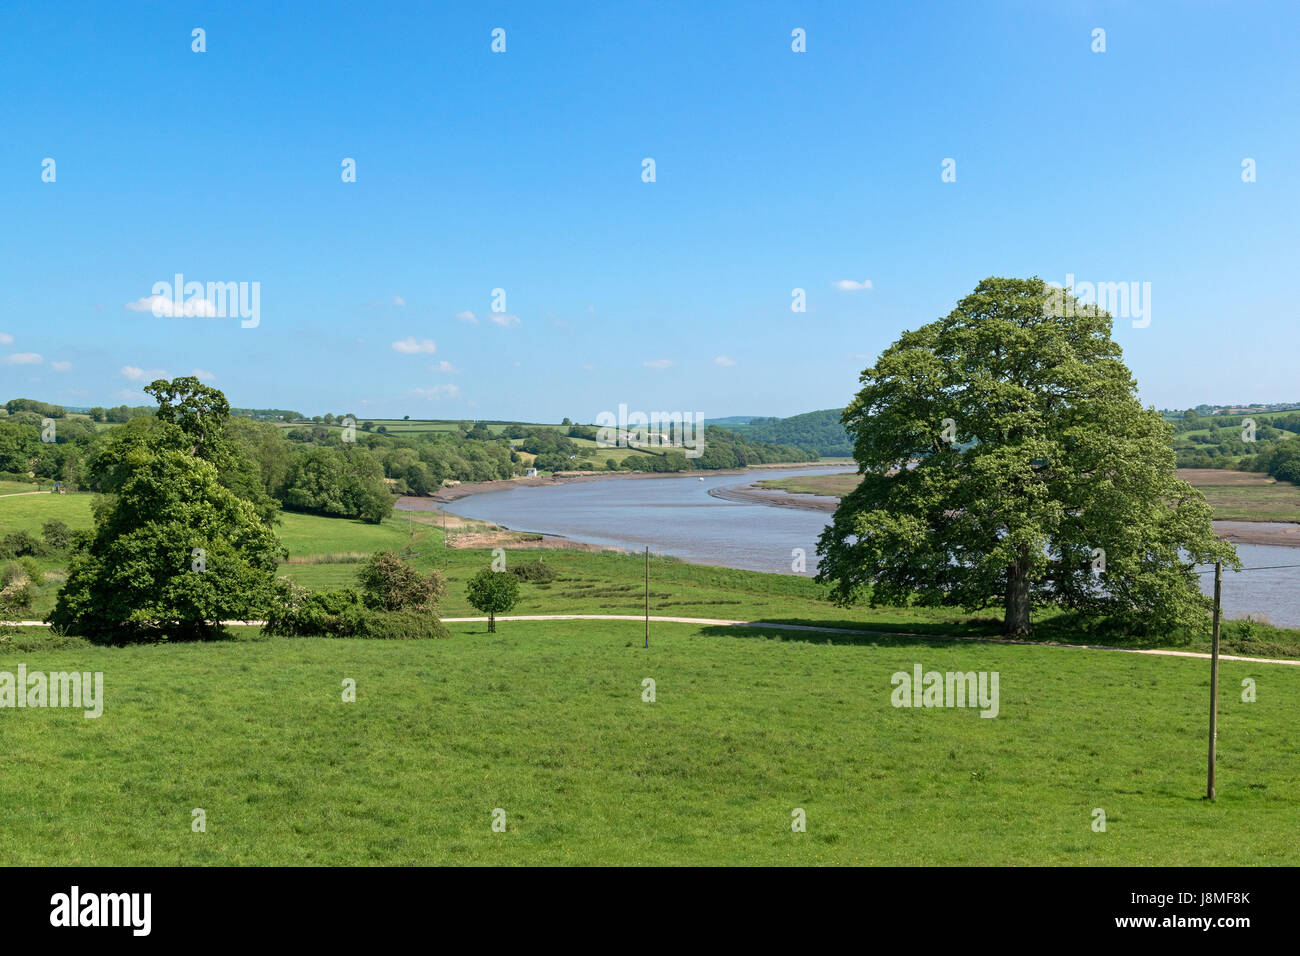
{"x": 546, "y": 721}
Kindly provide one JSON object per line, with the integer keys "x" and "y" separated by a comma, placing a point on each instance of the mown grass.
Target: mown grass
{"x": 29, "y": 512}
{"x": 546, "y": 721}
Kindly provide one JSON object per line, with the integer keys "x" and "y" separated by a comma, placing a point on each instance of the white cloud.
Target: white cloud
{"x": 467, "y": 316}
{"x": 129, "y": 395}
{"x": 60, "y": 366}
{"x": 6, "y": 338}
{"x": 202, "y": 374}
{"x": 144, "y": 375}
{"x": 408, "y": 346}
{"x": 398, "y": 301}
{"x": 163, "y": 306}
{"x": 445, "y": 368}
{"x": 658, "y": 363}
{"x": 506, "y": 320}
{"x": 588, "y": 367}
{"x": 724, "y": 361}
{"x": 850, "y": 285}
{"x": 437, "y": 392}
{"x": 24, "y": 358}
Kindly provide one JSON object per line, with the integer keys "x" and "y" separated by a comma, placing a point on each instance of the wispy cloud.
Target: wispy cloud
{"x": 467, "y": 316}
{"x": 437, "y": 392}
{"x": 24, "y": 358}
{"x": 658, "y": 363}
{"x": 851, "y": 285}
{"x": 136, "y": 374}
{"x": 409, "y": 346}
{"x": 398, "y": 301}
{"x": 203, "y": 374}
{"x": 506, "y": 320}
{"x": 6, "y": 338}
{"x": 60, "y": 366}
{"x": 724, "y": 360}
{"x": 444, "y": 367}
{"x": 164, "y": 306}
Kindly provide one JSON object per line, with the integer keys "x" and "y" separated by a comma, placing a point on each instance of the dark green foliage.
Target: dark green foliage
{"x": 535, "y": 572}
{"x": 140, "y": 578}
{"x": 822, "y": 432}
{"x": 390, "y": 584}
{"x": 1003, "y": 448}
{"x": 492, "y": 593}
{"x": 57, "y": 535}
{"x": 345, "y": 482}
{"x": 18, "y": 544}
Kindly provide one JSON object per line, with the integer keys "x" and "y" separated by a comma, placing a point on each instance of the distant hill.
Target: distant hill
{"x": 819, "y": 431}
{"x": 736, "y": 420}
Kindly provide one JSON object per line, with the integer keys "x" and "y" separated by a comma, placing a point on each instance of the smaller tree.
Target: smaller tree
{"x": 493, "y": 593}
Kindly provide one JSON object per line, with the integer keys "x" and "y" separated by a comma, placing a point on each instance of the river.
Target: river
{"x": 678, "y": 516}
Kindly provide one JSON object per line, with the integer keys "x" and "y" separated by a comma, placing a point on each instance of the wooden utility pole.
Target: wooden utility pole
{"x": 1214, "y": 677}
{"x": 647, "y": 595}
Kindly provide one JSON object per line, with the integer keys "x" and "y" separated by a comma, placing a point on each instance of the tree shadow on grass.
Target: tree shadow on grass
{"x": 1060, "y": 629}
{"x": 879, "y": 634}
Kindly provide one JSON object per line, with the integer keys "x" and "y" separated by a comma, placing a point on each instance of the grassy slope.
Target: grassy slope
{"x": 546, "y": 721}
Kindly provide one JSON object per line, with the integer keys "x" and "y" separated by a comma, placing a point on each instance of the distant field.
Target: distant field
{"x": 1245, "y": 496}
{"x": 22, "y": 487}
{"x": 398, "y": 426}
{"x": 1234, "y": 495}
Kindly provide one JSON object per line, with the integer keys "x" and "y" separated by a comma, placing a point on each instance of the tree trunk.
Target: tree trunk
{"x": 1017, "y": 618}
{"x": 492, "y": 622}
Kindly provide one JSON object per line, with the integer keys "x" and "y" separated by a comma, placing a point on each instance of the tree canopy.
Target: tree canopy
{"x": 1007, "y": 460}
{"x": 493, "y": 593}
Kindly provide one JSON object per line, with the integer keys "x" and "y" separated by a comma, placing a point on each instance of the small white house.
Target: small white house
{"x": 530, "y": 473}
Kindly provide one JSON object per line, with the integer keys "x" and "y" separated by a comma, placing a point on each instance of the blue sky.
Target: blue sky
{"x": 522, "y": 171}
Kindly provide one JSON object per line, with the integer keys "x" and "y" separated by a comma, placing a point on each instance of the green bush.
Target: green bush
{"x": 342, "y": 613}
{"x": 535, "y": 572}
{"x": 15, "y": 588}
{"x": 390, "y": 584}
{"x": 32, "y": 570}
{"x": 57, "y": 535}
{"x": 18, "y": 544}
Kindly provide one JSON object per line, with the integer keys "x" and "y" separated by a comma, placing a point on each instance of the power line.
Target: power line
{"x": 1273, "y": 567}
